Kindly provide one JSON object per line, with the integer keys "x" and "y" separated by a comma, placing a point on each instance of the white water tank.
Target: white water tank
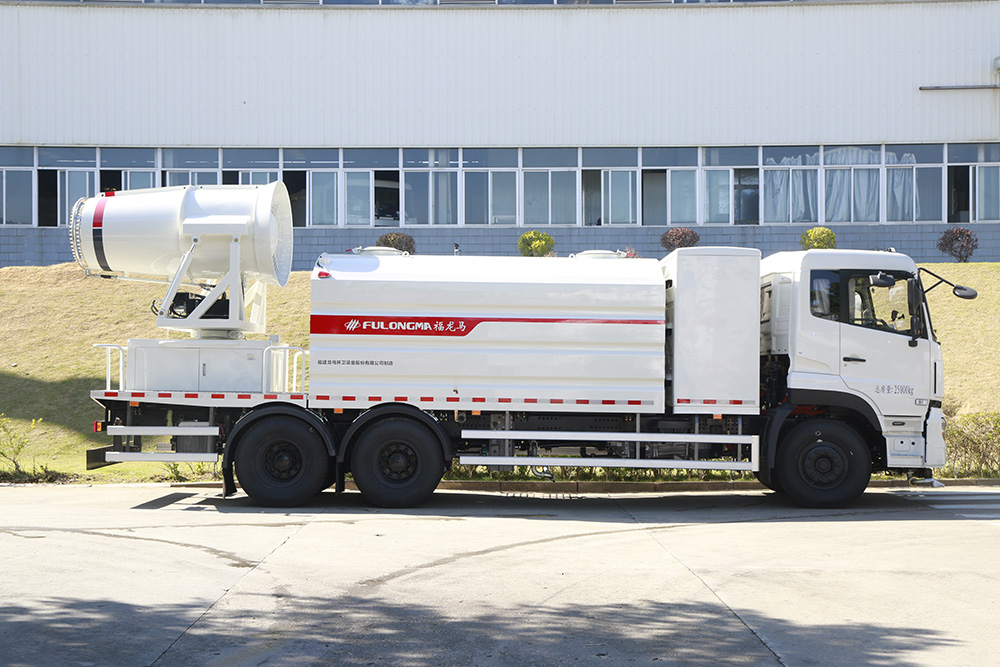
{"x": 147, "y": 232}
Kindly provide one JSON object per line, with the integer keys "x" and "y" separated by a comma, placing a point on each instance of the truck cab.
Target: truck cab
{"x": 847, "y": 333}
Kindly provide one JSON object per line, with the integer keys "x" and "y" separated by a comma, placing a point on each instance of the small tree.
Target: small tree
{"x": 535, "y": 244}
{"x": 14, "y": 441}
{"x": 399, "y": 241}
{"x": 958, "y": 242}
{"x": 818, "y": 237}
{"x": 679, "y": 237}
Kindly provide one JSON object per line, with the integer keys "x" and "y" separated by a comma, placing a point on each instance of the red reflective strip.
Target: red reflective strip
{"x": 109, "y": 193}
{"x": 164, "y": 394}
{"x": 190, "y": 395}
{"x": 350, "y": 398}
{"x": 582, "y": 401}
{"x": 378, "y": 325}
{"x": 505, "y": 400}
{"x": 401, "y": 399}
{"x": 710, "y": 401}
{"x": 635, "y": 402}
{"x": 322, "y": 398}
{"x": 243, "y": 396}
{"x": 218, "y": 395}
{"x": 478, "y": 400}
{"x": 531, "y": 400}
{"x": 607, "y": 402}
{"x": 555, "y": 401}
{"x": 111, "y": 394}
{"x": 271, "y": 397}
{"x": 138, "y": 394}
{"x": 684, "y": 401}
{"x": 297, "y": 397}
{"x": 375, "y": 398}
{"x": 735, "y": 402}
{"x": 453, "y": 399}
{"x": 99, "y": 213}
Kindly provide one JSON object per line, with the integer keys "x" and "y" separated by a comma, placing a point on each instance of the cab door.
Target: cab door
{"x": 880, "y": 356}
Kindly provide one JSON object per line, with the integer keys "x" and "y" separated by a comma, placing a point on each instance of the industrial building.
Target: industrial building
{"x": 603, "y": 123}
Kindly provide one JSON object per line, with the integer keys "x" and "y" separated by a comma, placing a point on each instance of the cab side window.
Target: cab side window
{"x": 873, "y": 307}
{"x": 824, "y": 294}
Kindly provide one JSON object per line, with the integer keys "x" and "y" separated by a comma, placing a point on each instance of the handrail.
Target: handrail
{"x": 284, "y": 384}
{"x": 121, "y": 365}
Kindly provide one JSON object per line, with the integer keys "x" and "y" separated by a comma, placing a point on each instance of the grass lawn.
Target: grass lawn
{"x": 50, "y": 317}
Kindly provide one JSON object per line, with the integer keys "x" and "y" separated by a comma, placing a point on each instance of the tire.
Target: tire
{"x": 397, "y": 462}
{"x": 823, "y": 464}
{"x": 281, "y": 462}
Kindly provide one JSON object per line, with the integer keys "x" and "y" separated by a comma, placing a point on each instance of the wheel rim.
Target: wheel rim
{"x": 282, "y": 461}
{"x": 823, "y": 465}
{"x": 397, "y": 462}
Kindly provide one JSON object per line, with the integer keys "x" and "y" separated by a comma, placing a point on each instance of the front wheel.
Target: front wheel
{"x": 823, "y": 463}
{"x": 281, "y": 462}
{"x": 397, "y": 463}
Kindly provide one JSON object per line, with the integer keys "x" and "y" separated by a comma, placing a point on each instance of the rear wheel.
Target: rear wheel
{"x": 823, "y": 463}
{"x": 281, "y": 462}
{"x": 397, "y": 463}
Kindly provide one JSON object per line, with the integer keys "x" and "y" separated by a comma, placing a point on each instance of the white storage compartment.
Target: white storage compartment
{"x": 196, "y": 365}
{"x": 713, "y": 315}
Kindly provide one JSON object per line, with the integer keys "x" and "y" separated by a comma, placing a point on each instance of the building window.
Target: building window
{"x": 190, "y": 166}
{"x": 323, "y": 197}
{"x": 852, "y": 192}
{"x": 549, "y": 184}
{"x": 490, "y": 180}
{"x": 973, "y": 190}
{"x": 610, "y": 191}
{"x": 791, "y": 185}
{"x": 733, "y": 194}
{"x": 430, "y": 195}
{"x": 16, "y": 203}
{"x": 372, "y": 186}
{"x": 669, "y": 186}
{"x": 913, "y": 193}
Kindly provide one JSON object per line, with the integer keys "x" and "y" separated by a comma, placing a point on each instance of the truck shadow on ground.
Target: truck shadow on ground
{"x": 332, "y": 628}
{"x": 687, "y": 508}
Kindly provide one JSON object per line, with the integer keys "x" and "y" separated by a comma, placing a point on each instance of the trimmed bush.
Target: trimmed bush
{"x": 535, "y": 244}
{"x": 958, "y": 242}
{"x": 973, "y": 445}
{"x": 818, "y": 237}
{"x": 399, "y": 241}
{"x": 679, "y": 237}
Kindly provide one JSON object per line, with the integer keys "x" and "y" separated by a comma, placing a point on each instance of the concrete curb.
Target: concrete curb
{"x": 539, "y": 486}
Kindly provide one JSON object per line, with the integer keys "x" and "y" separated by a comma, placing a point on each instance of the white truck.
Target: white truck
{"x": 810, "y": 369}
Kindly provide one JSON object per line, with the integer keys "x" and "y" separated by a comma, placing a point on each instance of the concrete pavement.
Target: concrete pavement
{"x": 155, "y": 575}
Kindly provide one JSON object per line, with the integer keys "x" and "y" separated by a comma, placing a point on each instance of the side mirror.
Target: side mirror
{"x": 914, "y": 296}
{"x": 963, "y": 292}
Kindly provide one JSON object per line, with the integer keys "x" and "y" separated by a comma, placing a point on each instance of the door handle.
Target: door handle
{"x": 855, "y": 359}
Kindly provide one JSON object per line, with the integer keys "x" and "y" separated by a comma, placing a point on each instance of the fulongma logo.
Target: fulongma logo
{"x": 352, "y": 325}
{"x": 370, "y": 325}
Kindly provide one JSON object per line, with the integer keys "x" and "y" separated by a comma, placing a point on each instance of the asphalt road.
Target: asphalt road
{"x": 154, "y": 575}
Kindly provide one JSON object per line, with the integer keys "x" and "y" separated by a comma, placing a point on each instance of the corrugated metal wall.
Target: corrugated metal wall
{"x": 499, "y": 76}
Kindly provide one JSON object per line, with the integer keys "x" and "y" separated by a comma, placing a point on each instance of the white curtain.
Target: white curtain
{"x": 863, "y": 197}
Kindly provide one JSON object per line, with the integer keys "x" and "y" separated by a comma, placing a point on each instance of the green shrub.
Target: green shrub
{"x": 818, "y": 237}
{"x": 679, "y": 237}
{"x": 535, "y": 244}
{"x": 399, "y": 241}
{"x": 973, "y": 445}
{"x": 958, "y": 242}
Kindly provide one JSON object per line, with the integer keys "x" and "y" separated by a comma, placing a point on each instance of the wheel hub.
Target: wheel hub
{"x": 398, "y": 461}
{"x": 823, "y": 464}
{"x": 283, "y": 461}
